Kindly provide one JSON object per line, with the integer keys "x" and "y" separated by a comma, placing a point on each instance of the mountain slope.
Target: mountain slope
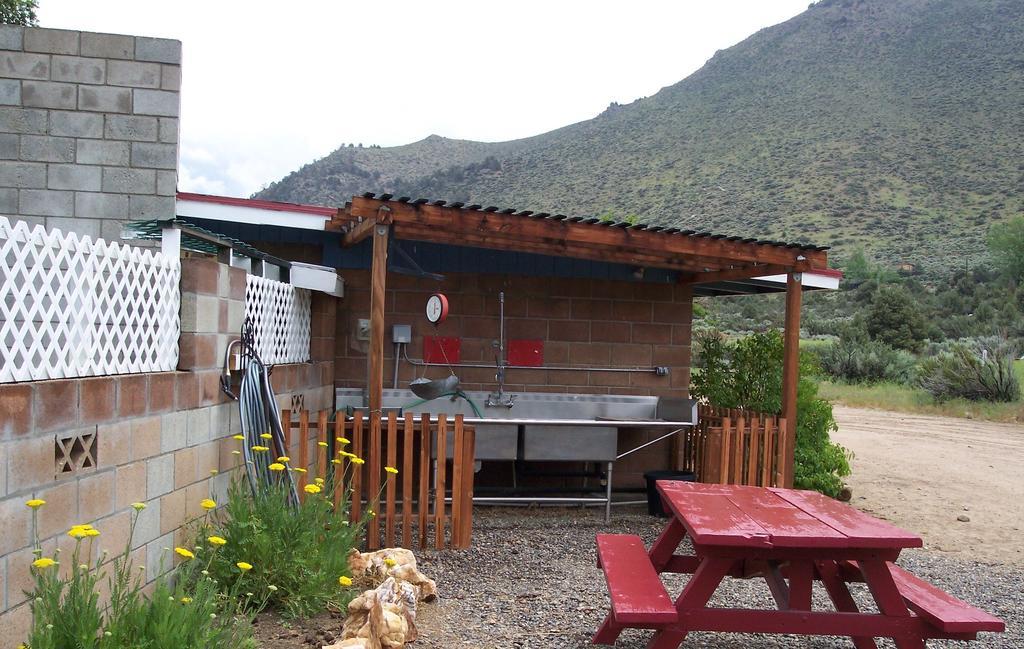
{"x": 893, "y": 124}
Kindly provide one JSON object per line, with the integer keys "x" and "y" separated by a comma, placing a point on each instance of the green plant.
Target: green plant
{"x": 301, "y": 551}
{"x": 186, "y": 611}
{"x": 748, "y": 374}
{"x": 896, "y": 320}
{"x": 966, "y": 372}
{"x": 866, "y": 361}
{"x": 19, "y": 12}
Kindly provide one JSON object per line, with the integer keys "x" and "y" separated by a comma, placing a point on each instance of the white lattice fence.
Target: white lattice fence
{"x": 72, "y": 307}
{"x": 279, "y": 313}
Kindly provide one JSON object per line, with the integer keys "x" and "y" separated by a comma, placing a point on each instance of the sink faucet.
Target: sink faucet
{"x": 500, "y": 398}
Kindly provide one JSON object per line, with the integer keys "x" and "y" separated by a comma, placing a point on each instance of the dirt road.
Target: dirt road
{"x": 923, "y": 472}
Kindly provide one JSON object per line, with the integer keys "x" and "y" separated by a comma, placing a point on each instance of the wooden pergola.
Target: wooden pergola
{"x": 699, "y": 258}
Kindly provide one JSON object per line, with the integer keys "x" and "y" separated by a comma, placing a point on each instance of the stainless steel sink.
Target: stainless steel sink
{"x": 582, "y": 440}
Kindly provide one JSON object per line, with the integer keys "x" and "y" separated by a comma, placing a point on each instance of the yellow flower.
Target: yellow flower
{"x": 186, "y": 600}
{"x": 335, "y": 461}
{"x": 311, "y": 489}
{"x": 243, "y": 566}
{"x": 214, "y": 471}
{"x": 299, "y": 469}
{"x": 346, "y": 454}
{"x": 207, "y": 504}
{"x": 265, "y": 436}
{"x": 391, "y": 469}
{"x": 43, "y": 563}
{"x": 342, "y": 440}
{"x": 319, "y": 481}
{"x": 240, "y": 438}
{"x": 260, "y": 449}
{"x": 276, "y": 466}
{"x": 92, "y": 532}
{"x": 79, "y": 531}
{"x": 236, "y": 452}
{"x": 35, "y": 503}
{"x": 323, "y": 444}
{"x": 358, "y": 460}
{"x": 389, "y": 562}
{"x": 371, "y": 512}
{"x": 345, "y": 581}
{"x": 185, "y": 553}
{"x": 138, "y": 506}
{"x": 216, "y": 540}
{"x": 284, "y": 458}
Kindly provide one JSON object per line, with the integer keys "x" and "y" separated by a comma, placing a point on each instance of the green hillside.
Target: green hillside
{"x": 892, "y": 124}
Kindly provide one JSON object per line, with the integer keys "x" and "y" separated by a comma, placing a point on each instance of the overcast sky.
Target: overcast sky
{"x": 269, "y": 86}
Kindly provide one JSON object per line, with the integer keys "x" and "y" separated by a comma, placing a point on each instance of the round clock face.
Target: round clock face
{"x": 437, "y": 308}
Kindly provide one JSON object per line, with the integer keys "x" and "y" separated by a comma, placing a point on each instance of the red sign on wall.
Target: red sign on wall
{"x": 439, "y": 349}
{"x": 526, "y": 353}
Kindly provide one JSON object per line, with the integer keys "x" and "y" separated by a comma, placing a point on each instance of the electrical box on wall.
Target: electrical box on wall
{"x": 401, "y": 334}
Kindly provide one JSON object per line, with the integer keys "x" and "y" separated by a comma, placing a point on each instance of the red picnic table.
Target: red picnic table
{"x": 790, "y": 539}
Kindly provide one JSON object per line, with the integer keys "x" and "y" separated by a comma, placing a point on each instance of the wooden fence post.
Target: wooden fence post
{"x": 424, "y": 495}
{"x": 439, "y": 481}
{"x": 408, "y": 468}
{"x": 391, "y": 481}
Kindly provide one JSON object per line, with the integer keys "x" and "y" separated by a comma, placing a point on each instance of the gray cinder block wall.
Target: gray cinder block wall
{"x": 88, "y": 128}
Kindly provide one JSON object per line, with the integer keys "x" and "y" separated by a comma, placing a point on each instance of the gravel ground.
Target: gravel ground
{"x": 530, "y": 580}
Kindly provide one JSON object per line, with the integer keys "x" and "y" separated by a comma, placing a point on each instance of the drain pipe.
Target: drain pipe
{"x": 398, "y": 359}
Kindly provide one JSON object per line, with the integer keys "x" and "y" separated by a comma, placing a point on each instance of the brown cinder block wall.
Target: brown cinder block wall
{"x": 157, "y": 438}
{"x": 582, "y": 323}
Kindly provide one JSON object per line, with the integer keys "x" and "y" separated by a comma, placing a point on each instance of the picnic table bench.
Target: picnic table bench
{"x": 790, "y": 539}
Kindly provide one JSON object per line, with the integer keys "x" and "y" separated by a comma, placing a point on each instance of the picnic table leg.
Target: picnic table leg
{"x": 608, "y": 632}
{"x": 840, "y": 596}
{"x": 889, "y": 600}
{"x": 666, "y": 544}
{"x": 695, "y": 595}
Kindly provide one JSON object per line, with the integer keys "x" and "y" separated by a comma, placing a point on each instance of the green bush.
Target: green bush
{"x": 298, "y": 554}
{"x": 866, "y": 361}
{"x": 748, "y": 374}
{"x": 896, "y": 319}
{"x": 965, "y": 372}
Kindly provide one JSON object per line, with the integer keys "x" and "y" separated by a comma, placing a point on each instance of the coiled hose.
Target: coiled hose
{"x": 259, "y": 415}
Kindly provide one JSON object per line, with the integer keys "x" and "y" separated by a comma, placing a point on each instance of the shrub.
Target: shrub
{"x": 302, "y": 551}
{"x": 188, "y": 611}
{"x": 896, "y": 320}
{"x": 748, "y": 374}
{"x": 866, "y": 361}
{"x": 966, "y": 372}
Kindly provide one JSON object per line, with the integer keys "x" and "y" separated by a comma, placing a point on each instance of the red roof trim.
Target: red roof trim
{"x": 258, "y": 204}
{"x": 827, "y": 272}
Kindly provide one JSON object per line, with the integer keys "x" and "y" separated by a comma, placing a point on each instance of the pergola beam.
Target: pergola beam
{"x": 743, "y": 272}
{"x": 524, "y": 230}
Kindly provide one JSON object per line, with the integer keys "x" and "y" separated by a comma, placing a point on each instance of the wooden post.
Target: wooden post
{"x": 424, "y": 496}
{"x": 375, "y": 358}
{"x": 357, "y": 471}
{"x": 303, "y": 450}
{"x": 790, "y": 371}
{"x": 408, "y": 468}
{"x": 389, "y": 522}
{"x": 439, "y": 482}
{"x": 457, "y": 474}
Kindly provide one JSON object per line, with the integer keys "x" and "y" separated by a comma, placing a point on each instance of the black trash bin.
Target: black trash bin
{"x": 654, "y": 507}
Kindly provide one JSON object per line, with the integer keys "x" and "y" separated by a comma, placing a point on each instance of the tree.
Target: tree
{"x": 896, "y": 320}
{"x": 1006, "y": 245}
{"x": 19, "y": 12}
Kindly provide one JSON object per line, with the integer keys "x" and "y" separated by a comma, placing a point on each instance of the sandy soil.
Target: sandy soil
{"x": 923, "y": 472}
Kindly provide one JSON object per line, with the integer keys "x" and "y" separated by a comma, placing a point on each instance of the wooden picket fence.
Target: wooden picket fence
{"x": 733, "y": 446}
{"x": 422, "y": 510}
